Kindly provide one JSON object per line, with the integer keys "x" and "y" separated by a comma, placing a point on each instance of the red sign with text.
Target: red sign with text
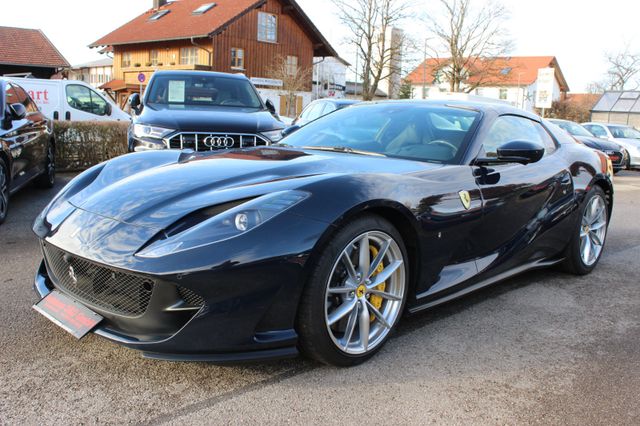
{"x": 65, "y": 312}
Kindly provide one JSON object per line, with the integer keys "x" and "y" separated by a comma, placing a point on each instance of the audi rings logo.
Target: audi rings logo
{"x": 219, "y": 142}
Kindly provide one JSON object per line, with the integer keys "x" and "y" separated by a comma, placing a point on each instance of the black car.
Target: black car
{"x": 201, "y": 111}
{"x": 322, "y": 242}
{"x": 27, "y": 144}
{"x": 617, "y": 154}
{"x": 320, "y": 108}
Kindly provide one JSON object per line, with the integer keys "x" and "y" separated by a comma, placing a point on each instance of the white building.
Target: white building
{"x": 329, "y": 77}
{"x": 393, "y": 69}
{"x": 95, "y": 73}
{"x": 512, "y": 80}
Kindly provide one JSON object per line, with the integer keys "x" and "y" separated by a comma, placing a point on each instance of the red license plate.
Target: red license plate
{"x": 65, "y": 312}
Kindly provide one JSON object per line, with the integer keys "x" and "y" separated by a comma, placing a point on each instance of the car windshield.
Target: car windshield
{"x": 624, "y": 132}
{"x": 404, "y": 130}
{"x": 572, "y": 128}
{"x": 202, "y": 90}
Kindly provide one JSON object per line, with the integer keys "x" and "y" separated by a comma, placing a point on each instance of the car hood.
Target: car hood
{"x": 156, "y": 197}
{"x": 599, "y": 144}
{"x": 212, "y": 119}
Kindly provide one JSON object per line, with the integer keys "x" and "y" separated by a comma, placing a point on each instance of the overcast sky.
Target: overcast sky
{"x": 577, "y": 32}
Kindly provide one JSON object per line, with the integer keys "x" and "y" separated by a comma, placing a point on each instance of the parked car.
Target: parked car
{"x": 618, "y": 155}
{"x": 320, "y": 108}
{"x": 202, "y": 111}
{"x": 71, "y": 100}
{"x": 626, "y": 136}
{"x": 323, "y": 241}
{"x": 27, "y": 144}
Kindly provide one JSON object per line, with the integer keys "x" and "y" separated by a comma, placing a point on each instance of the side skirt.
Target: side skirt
{"x": 500, "y": 277}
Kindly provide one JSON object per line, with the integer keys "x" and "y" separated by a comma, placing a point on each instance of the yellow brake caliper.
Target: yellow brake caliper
{"x": 375, "y": 300}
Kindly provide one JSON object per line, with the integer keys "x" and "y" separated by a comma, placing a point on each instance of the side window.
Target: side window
{"x": 10, "y": 95}
{"x": 316, "y": 112}
{"x": 24, "y": 98}
{"x": 511, "y": 128}
{"x": 597, "y": 130}
{"x": 84, "y": 99}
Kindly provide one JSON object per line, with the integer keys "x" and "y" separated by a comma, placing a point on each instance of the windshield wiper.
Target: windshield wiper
{"x": 346, "y": 149}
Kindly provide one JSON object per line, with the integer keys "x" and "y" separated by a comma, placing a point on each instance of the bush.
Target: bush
{"x": 83, "y": 144}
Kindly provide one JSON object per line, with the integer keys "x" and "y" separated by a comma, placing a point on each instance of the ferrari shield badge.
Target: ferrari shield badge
{"x": 465, "y": 197}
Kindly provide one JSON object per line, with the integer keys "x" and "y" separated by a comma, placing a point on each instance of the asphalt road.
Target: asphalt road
{"x": 544, "y": 348}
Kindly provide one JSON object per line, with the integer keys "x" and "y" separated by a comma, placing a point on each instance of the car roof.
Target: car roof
{"x": 496, "y": 108}
{"x": 200, "y": 73}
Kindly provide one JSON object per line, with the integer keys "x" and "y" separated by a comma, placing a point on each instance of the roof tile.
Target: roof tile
{"x": 22, "y": 46}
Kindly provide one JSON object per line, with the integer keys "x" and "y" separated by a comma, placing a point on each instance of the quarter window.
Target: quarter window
{"x": 188, "y": 55}
{"x": 237, "y": 58}
{"x": 84, "y": 99}
{"x": 511, "y": 128}
{"x": 267, "y": 27}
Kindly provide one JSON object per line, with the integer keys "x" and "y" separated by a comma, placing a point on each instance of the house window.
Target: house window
{"x": 503, "y": 94}
{"x": 479, "y": 92}
{"x": 237, "y": 58}
{"x": 425, "y": 92}
{"x": 267, "y": 27}
{"x": 188, "y": 55}
{"x": 126, "y": 60}
{"x": 153, "y": 57}
{"x": 292, "y": 65}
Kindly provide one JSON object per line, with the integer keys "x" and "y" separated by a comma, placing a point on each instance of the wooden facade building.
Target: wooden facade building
{"x": 235, "y": 36}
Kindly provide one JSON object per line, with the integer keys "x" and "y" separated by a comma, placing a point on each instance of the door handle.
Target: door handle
{"x": 56, "y": 115}
{"x": 67, "y": 116}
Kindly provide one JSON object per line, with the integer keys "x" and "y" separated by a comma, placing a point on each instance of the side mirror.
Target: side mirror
{"x": 17, "y": 112}
{"x": 108, "y": 109}
{"x": 515, "y": 152}
{"x": 270, "y": 106}
{"x": 135, "y": 103}
{"x": 291, "y": 129}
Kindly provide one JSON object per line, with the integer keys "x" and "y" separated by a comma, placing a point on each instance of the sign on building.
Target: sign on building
{"x": 544, "y": 90}
{"x": 266, "y": 82}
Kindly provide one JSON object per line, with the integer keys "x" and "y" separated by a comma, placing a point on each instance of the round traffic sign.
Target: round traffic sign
{"x": 142, "y": 77}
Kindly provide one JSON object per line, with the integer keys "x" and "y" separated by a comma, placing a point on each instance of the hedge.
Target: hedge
{"x": 83, "y": 144}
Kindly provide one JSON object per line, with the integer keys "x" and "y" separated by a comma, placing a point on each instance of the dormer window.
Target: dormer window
{"x": 158, "y": 15}
{"x": 267, "y": 27}
{"x": 204, "y": 8}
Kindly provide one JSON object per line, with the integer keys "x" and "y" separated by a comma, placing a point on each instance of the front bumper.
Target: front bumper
{"x": 236, "y": 325}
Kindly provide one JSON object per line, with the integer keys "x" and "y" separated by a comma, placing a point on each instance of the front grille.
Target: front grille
{"x": 214, "y": 141}
{"x": 105, "y": 288}
{"x": 190, "y": 298}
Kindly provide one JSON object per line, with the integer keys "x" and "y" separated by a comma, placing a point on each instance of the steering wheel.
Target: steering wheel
{"x": 231, "y": 102}
{"x": 444, "y": 143}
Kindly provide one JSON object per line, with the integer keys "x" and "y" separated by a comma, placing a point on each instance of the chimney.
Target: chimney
{"x": 157, "y": 4}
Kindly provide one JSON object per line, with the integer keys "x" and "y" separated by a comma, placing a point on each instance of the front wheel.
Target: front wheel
{"x": 585, "y": 249}
{"x": 356, "y": 293}
{"x": 4, "y": 191}
{"x": 48, "y": 177}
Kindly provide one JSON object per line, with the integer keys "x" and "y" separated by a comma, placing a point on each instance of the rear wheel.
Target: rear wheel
{"x": 356, "y": 293}
{"x": 4, "y": 191}
{"x": 48, "y": 178}
{"x": 585, "y": 250}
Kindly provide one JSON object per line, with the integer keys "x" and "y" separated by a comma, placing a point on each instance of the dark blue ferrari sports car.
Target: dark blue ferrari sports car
{"x": 321, "y": 243}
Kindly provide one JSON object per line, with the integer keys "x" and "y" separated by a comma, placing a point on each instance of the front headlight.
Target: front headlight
{"x": 145, "y": 131}
{"x": 274, "y": 135}
{"x": 229, "y": 224}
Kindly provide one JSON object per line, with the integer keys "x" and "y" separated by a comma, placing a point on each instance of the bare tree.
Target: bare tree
{"x": 371, "y": 24}
{"x": 468, "y": 42}
{"x": 294, "y": 79}
{"x": 624, "y": 67}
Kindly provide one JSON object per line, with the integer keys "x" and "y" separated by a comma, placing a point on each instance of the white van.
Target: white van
{"x": 71, "y": 100}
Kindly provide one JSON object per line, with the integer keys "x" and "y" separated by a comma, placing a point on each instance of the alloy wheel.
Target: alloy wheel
{"x": 593, "y": 230}
{"x": 364, "y": 293}
{"x": 4, "y": 191}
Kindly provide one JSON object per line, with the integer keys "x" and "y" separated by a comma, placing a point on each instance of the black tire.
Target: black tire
{"x": 47, "y": 179}
{"x": 4, "y": 190}
{"x": 573, "y": 262}
{"x": 315, "y": 340}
